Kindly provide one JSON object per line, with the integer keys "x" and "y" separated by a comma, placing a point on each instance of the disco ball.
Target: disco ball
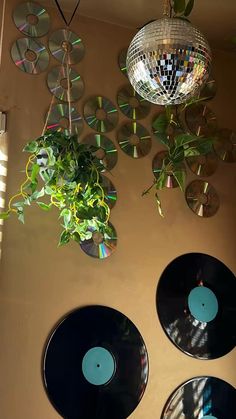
{"x": 168, "y": 61}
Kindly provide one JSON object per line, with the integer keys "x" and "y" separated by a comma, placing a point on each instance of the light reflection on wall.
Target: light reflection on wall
{"x": 3, "y": 177}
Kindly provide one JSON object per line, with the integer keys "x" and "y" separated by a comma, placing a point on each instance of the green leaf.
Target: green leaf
{"x": 161, "y": 180}
{"x": 183, "y": 139}
{"x": 31, "y": 147}
{"x": 64, "y": 238}
{"x": 37, "y": 194}
{"x": 4, "y": 215}
{"x": 160, "y": 124}
{"x": 43, "y": 206}
{"x": 179, "y": 6}
{"x": 180, "y": 177}
{"x": 191, "y": 151}
{"x": 66, "y": 214}
{"x": 189, "y": 8}
{"x": 34, "y": 173}
{"x": 20, "y": 216}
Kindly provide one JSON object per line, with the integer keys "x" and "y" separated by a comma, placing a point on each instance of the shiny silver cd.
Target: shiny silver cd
{"x": 110, "y": 192}
{"x": 31, "y": 19}
{"x": 203, "y": 165}
{"x": 66, "y": 46}
{"x": 209, "y": 90}
{"x": 134, "y": 140}
{"x": 131, "y": 104}
{"x": 29, "y": 55}
{"x": 100, "y": 114}
{"x": 202, "y": 198}
{"x": 57, "y": 82}
{"x": 157, "y": 164}
{"x": 172, "y": 129}
{"x": 60, "y": 116}
{"x": 100, "y": 245}
{"x": 106, "y": 151}
{"x": 200, "y": 120}
{"x": 225, "y": 145}
{"x": 122, "y": 61}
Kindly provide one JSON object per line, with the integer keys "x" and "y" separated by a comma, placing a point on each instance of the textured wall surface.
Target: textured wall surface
{"x": 40, "y": 283}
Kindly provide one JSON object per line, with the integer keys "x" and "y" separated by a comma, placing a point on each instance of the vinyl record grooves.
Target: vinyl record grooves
{"x": 106, "y": 153}
{"x": 110, "y": 192}
{"x": 200, "y": 120}
{"x": 196, "y": 308}
{"x": 66, "y": 46}
{"x": 157, "y": 163}
{"x": 122, "y": 61}
{"x": 131, "y": 104}
{"x": 31, "y": 19}
{"x": 202, "y": 398}
{"x": 100, "y": 245}
{"x": 30, "y": 55}
{"x": 57, "y": 82}
{"x": 203, "y": 165}
{"x": 225, "y": 145}
{"x": 134, "y": 140}
{"x": 59, "y": 119}
{"x": 95, "y": 365}
{"x": 202, "y": 198}
{"x": 100, "y": 114}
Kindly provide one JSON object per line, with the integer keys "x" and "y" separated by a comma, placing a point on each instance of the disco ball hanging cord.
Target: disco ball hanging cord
{"x": 67, "y": 22}
{"x": 2, "y": 30}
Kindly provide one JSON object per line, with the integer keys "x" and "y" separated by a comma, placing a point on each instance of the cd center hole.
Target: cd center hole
{"x": 101, "y": 114}
{"x": 202, "y": 160}
{"x": 97, "y": 237}
{"x": 134, "y": 103}
{"x": 98, "y": 365}
{"x": 203, "y": 199}
{"x": 64, "y": 83}
{"x": 30, "y": 55}
{"x": 134, "y": 139}
{"x": 203, "y": 304}
{"x": 64, "y": 123}
{"x": 32, "y": 19}
{"x": 100, "y": 153}
{"x": 66, "y": 46}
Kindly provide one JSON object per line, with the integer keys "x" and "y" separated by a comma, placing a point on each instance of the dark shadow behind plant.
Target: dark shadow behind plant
{"x": 67, "y": 175}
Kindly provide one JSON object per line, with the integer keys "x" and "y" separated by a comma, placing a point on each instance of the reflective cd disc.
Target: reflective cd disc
{"x": 58, "y": 84}
{"x": 225, "y": 145}
{"x": 202, "y": 398}
{"x": 95, "y": 364}
{"x": 209, "y": 90}
{"x": 106, "y": 153}
{"x": 134, "y": 140}
{"x": 31, "y": 19}
{"x": 30, "y": 55}
{"x": 59, "y": 119}
{"x": 66, "y": 46}
{"x": 196, "y": 308}
{"x": 131, "y": 104}
{"x": 202, "y": 198}
{"x": 100, "y": 245}
{"x": 172, "y": 129}
{"x": 110, "y": 192}
{"x": 100, "y": 114}
{"x": 203, "y": 165}
{"x": 200, "y": 120}
{"x": 157, "y": 164}
{"x": 122, "y": 61}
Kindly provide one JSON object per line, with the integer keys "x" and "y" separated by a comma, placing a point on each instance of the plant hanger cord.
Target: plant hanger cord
{"x": 166, "y": 8}
{"x": 68, "y": 91}
{"x": 2, "y": 29}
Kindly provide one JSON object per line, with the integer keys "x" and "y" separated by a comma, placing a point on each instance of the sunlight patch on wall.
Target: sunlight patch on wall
{"x": 3, "y": 178}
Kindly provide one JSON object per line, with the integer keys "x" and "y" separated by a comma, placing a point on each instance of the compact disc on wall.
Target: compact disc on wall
{"x": 122, "y": 61}
{"x": 225, "y": 145}
{"x": 199, "y": 119}
{"x": 196, "y": 308}
{"x": 66, "y": 46}
{"x": 131, "y": 104}
{"x": 110, "y": 191}
{"x": 100, "y": 114}
{"x": 134, "y": 140}
{"x": 100, "y": 245}
{"x": 31, "y": 19}
{"x": 60, "y": 116}
{"x": 203, "y": 165}
{"x": 202, "y": 198}
{"x": 106, "y": 151}
{"x": 66, "y": 84}
{"x": 169, "y": 180}
{"x": 29, "y": 55}
{"x": 95, "y": 365}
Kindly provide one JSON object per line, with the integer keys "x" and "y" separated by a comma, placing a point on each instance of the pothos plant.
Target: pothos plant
{"x": 66, "y": 174}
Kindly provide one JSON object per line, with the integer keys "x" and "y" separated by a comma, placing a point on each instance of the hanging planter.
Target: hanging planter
{"x": 63, "y": 173}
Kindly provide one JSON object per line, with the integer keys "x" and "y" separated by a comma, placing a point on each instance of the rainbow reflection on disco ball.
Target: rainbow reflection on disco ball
{"x": 168, "y": 61}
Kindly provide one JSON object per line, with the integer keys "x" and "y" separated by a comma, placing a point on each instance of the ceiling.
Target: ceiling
{"x": 216, "y": 18}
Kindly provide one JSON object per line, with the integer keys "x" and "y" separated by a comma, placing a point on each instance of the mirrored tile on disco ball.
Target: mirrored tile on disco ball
{"x": 200, "y": 120}
{"x": 203, "y": 165}
{"x": 110, "y": 192}
{"x": 31, "y": 19}
{"x": 202, "y": 397}
{"x": 30, "y": 55}
{"x": 131, "y": 104}
{"x": 59, "y": 119}
{"x": 57, "y": 82}
{"x": 100, "y": 114}
{"x": 134, "y": 140}
{"x": 225, "y": 145}
{"x": 202, "y": 198}
{"x": 122, "y": 61}
{"x": 100, "y": 245}
{"x": 66, "y": 46}
{"x": 106, "y": 153}
{"x": 157, "y": 164}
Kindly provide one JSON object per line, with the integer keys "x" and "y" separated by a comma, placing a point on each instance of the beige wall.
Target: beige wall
{"x": 40, "y": 283}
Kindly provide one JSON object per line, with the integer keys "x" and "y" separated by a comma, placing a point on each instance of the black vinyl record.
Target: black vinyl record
{"x": 95, "y": 365}
{"x": 202, "y": 398}
{"x": 196, "y": 305}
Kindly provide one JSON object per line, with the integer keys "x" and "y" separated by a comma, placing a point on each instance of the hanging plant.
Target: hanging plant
{"x": 67, "y": 175}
